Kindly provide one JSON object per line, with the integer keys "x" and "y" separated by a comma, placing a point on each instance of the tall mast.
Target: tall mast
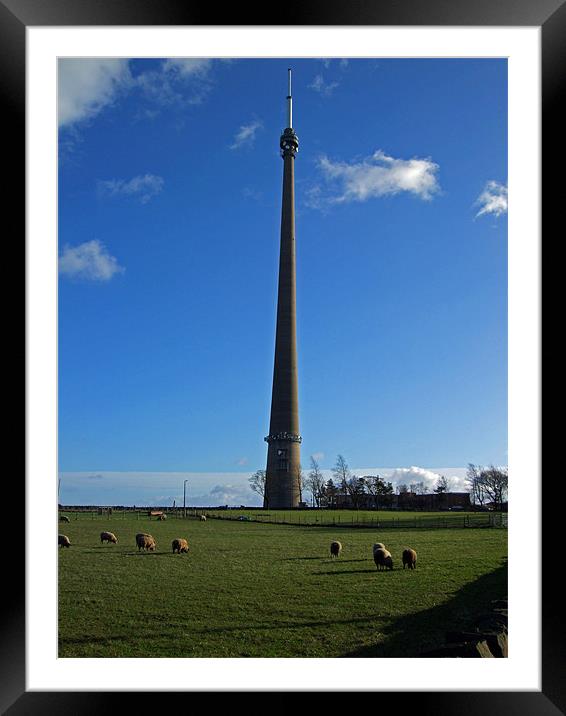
{"x": 282, "y": 488}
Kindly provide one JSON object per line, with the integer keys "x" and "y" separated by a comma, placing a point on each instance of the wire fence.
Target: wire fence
{"x": 300, "y": 518}
{"x": 343, "y": 519}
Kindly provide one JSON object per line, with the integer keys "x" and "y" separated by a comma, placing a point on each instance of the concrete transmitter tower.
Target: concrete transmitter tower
{"x": 284, "y": 442}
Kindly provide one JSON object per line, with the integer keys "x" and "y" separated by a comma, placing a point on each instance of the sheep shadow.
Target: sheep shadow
{"x": 348, "y": 571}
{"x": 149, "y": 554}
{"x": 300, "y": 559}
{"x": 339, "y": 560}
{"x": 412, "y": 634}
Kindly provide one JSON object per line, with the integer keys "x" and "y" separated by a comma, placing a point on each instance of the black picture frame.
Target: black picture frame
{"x": 550, "y": 16}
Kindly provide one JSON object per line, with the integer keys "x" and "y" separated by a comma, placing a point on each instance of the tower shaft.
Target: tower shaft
{"x": 284, "y": 441}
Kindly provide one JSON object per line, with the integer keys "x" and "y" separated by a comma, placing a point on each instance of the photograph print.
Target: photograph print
{"x": 282, "y": 357}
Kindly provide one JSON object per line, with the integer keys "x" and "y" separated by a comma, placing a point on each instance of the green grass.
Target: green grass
{"x": 377, "y": 518}
{"x": 267, "y": 590}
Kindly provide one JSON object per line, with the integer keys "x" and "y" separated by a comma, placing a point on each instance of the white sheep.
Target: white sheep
{"x": 180, "y": 545}
{"x": 145, "y": 541}
{"x": 108, "y": 537}
{"x": 383, "y": 559}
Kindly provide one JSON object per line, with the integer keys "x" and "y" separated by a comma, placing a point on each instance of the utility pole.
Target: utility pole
{"x": 185, "y": 498}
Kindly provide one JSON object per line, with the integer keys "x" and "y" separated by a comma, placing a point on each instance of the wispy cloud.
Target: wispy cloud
{"x": 86, "y": 86}
{"x": 89, "y": 261}
{"x": 324, "y": 88}
{"x": 318, "y": 456}
{"x": 492, "y": 200}
{"x": 252, "y": 193}
{"x": 188, "y": 66}
{"x": 245, "y": 136}
{"x": 176, "y": 81}
{"x": 375, "y": 176}
{"x": 143, "y": 187}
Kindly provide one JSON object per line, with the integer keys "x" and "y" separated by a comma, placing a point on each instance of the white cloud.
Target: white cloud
{"x": 378, "y": 175}
{"x": 456, "y": 476}
{"x": 409, "y": 475}
{"x": 90, "y": 261}
{"x": 246, "y": 134}
{"x": 318, "y": 456}
{"x": 493, "y": 199}
{"x": 88, "y": 85}
{"x": 144, "y": 187}
{"x": 85, "y": 86}
{"x": 324, "y": 88}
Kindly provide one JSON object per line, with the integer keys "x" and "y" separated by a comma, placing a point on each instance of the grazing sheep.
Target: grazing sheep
{"x": 383, "y": 559}
{"x": 64, "y": 541}
{"x": 335, "y": 549}
{"x": 378, "y": 545}
{"x": 161, "y": 517}
{"x": 145, "y": 541}
{"x": 180, "y": 545}
{"x": 64, "y": 518}
{"x": 409, "y": 558}
{"x": 203, "y": 518}
{"x": 108, "y": 537}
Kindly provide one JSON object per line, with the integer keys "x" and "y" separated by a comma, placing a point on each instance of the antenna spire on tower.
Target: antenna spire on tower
{"x": 289, "y": 103}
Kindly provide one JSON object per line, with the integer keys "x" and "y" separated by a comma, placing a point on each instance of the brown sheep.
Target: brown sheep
{"x": 335, "y": 549}
{"x": 180, "y": 545}
{"x": 383, "y": 559}
{"x": 145, "y": 541}
{"x": 409, "y": 558}
{"x": 64, "y": 541}
{"x": 108, "y": 537}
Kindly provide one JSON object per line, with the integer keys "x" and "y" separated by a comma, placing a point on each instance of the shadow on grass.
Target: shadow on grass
{"x": 300, "y": 559}
{"x": 337, "y": 573}
{"x": 412, "y": 634}
{"x": 153, "y": 554}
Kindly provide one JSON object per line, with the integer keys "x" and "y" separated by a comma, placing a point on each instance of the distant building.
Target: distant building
{"x": 407, "y": 501}
{"x": 433, "y": 501}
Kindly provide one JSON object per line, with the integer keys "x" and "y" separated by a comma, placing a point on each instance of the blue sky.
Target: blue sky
{"x": 169, "y": 210}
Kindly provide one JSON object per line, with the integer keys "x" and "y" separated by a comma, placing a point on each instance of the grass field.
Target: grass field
{"x": 248, "y": 589}
{"x": 367, "y": 518}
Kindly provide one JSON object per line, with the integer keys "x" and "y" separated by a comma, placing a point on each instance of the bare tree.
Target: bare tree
{"x": 441, "y": 485}
{"x": 495, "y": 480}
{"x": 342, "y": 474}
{"x": 473, "y": 478}
{"x": 300, "y": 480}
{"x": 488, "y": 484}
{"x": 314, "y": 482}
{"x": 418, "y": 488}
{"x": 258, "y": 483}
{"x": 341, "y": 470}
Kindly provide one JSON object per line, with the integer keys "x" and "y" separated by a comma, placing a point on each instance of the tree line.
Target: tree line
{"x": 486, "y": 485}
